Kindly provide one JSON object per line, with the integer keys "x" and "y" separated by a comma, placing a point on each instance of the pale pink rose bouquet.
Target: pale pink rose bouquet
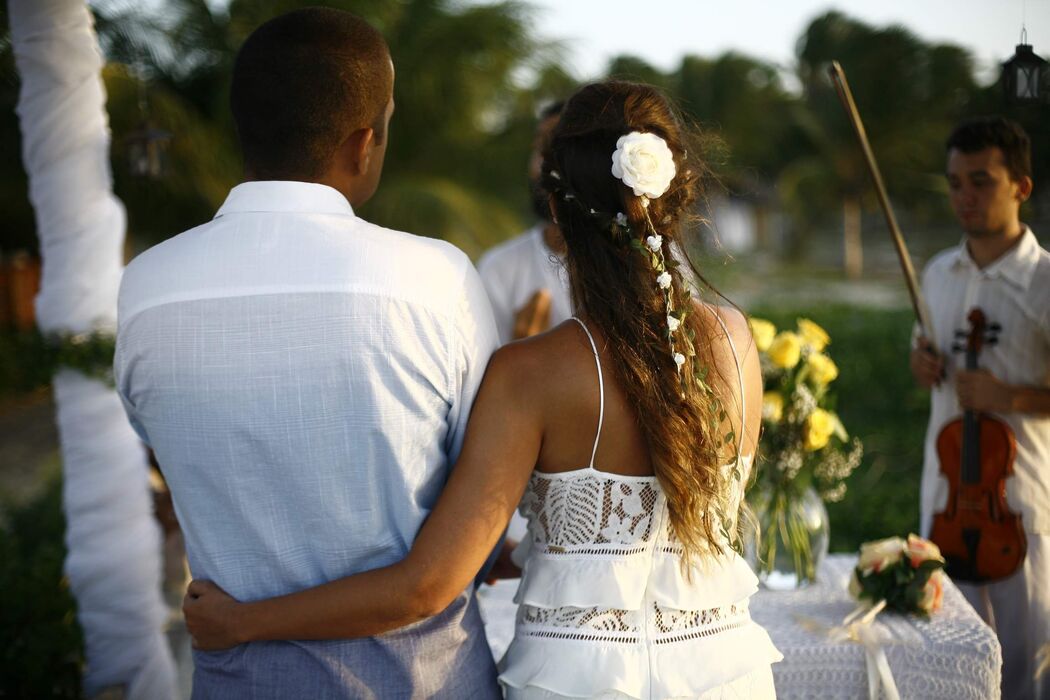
{"x": 907, "y": 574}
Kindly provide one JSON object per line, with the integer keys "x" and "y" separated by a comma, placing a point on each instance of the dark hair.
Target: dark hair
{"x": 302, "y": 83}
{"x": 551, "y": 110}
{"x": 614, "y": 285}
{"x": 1008, "y": 136}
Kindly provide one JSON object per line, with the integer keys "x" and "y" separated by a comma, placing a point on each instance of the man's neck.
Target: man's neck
{"x": 337, "y": 184}
{"x": 985, "y": 250}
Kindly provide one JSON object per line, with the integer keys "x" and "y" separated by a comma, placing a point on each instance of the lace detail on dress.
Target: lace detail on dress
{"x": 596, "y": 624}
{"x": 586, "y": 624}
{"x": 579, "y": 515}
{"x": 673, "y": 626}
{"x": 603, "y": 582}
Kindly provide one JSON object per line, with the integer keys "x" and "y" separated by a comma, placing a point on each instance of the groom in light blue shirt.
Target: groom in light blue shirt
{"x": 305, "y": 377}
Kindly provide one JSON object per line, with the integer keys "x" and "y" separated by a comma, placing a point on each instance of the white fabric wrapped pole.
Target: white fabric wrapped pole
{"x": 113, "y": 540}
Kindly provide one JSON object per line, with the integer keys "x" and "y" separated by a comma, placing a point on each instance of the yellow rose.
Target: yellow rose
{"x": 772, "y": 406}
{"x": 786, "y": 349}
{"x": 763, "y": 331}
{"x": 876, "y": 556}
{"x": 819, "y": 427}
{"x": 821, "y": 369}
{"x": 813, "y": 335}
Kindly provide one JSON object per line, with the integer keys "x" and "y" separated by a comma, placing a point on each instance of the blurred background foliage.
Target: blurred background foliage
{"x": 471, "y": 79}
{"x": 470, "y": 82}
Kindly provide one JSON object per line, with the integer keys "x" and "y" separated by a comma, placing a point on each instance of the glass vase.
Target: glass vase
{"x": 794, "y": 536}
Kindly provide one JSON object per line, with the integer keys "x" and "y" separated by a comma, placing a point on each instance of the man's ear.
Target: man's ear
{"x": 357, "y": 150}
{"x": 1024, "y": 188}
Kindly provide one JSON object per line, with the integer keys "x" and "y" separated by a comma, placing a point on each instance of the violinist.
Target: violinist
{"x": 1000, "y": 268}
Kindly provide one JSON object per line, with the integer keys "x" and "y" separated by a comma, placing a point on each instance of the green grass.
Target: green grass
{"x": 879, "y": 403}
{"x": 41, "y": 647}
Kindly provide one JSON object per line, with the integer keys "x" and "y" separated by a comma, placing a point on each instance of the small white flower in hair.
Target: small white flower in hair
{"x": 673, "y": 323}
{"x": 644, "y": 163}
{"x": 621, "y": 219}
{"x": 664, "y": 280}
{"x": 655, "y": 242}
{"x": 679, "y": 359}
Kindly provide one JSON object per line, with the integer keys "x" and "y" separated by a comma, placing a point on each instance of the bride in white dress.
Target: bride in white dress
{"x": 625, "y": 436}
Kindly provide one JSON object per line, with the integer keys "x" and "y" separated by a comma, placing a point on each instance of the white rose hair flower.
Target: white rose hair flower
{"x": 664, "y": 280}
{"x": 644, "y": 163}
{"x": 679, "y": 359}
{"x": 654, "y": 242}
{"x": 673, "y": 323}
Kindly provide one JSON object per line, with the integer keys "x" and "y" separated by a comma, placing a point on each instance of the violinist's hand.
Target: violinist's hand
{"x": 534, "y": 317}
{"x": 927, "y": 366}
{"x": 211, "y": 616}
{"x": 980, "y": 390}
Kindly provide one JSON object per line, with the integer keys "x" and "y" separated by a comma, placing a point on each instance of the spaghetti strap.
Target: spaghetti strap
{"x": 601, "y": 390}
{"x": 740, "y": 380}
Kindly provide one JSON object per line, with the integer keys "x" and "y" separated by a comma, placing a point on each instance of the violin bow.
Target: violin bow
{"x": 922, "y": 312}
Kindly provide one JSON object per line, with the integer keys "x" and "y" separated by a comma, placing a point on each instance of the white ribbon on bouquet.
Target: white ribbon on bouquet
{"x": 860, "y": 627}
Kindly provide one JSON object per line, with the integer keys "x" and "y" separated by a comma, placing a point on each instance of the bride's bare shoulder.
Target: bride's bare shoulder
{"x": 546, "y": 360}
{"x": 717, "y": 319}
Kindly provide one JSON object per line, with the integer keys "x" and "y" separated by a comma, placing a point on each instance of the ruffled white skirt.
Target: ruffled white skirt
{"x": 756, "y": 685}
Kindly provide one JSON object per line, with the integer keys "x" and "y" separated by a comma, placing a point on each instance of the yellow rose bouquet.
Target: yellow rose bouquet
{"x": 907, "y": 574}
{"x": 806, "y": 453}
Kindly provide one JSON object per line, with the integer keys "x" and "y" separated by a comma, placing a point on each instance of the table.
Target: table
{"x": 954, "y": 656}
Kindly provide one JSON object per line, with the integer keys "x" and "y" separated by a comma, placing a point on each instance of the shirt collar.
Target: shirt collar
{"x": 1016, "y": 266}
{"x": 285, "y": 196}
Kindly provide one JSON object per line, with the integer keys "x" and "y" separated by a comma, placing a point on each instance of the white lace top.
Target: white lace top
{"x": 604, "y": 607}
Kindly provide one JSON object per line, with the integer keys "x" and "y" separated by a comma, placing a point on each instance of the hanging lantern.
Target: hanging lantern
{"x": 1025, "y": 74}
{"x": 147, "y": 148}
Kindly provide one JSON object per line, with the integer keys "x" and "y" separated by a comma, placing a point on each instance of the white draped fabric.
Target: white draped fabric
{"x": 114, "y": 543}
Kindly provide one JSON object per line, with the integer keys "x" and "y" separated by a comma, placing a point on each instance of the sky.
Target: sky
{"x": 662, "y": 31}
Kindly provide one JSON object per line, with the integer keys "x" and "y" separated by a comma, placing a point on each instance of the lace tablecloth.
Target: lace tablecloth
{"x": 953, "y": 656}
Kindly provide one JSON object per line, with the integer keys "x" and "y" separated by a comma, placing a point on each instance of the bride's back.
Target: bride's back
{"x": 564, "y": 380}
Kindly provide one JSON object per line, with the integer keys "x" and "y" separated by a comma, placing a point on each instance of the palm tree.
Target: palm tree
{"x": 908, "y": 93}
{"x": 459, "y": 139}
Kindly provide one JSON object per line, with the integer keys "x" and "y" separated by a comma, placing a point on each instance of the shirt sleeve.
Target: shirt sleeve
{"x": 120, "y": 378}
{"x": 924, "y": 289}
{"x": 474, "y": 341}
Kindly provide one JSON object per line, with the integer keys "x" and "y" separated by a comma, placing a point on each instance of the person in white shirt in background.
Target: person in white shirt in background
{"x": 1000, "y": 268}
{"x": 525, "y": 277}
{"x": 526, "y": 280}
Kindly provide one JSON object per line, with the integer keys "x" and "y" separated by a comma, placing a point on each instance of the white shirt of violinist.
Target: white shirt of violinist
{"x": 1013, "y": 292}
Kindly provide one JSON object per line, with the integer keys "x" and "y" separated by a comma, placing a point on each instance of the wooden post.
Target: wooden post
{"x": 23, "y": 275}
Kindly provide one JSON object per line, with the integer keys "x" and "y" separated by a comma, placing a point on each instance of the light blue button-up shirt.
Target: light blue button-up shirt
{"x": 305, "y": 380}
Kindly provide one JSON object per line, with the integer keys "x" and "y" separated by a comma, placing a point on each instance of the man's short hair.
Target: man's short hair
{"x": 302, "y": 83}
{"x": 980, "y": 133}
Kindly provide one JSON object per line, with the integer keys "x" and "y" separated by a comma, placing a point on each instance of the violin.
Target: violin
{"x": 980, "y": 538}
